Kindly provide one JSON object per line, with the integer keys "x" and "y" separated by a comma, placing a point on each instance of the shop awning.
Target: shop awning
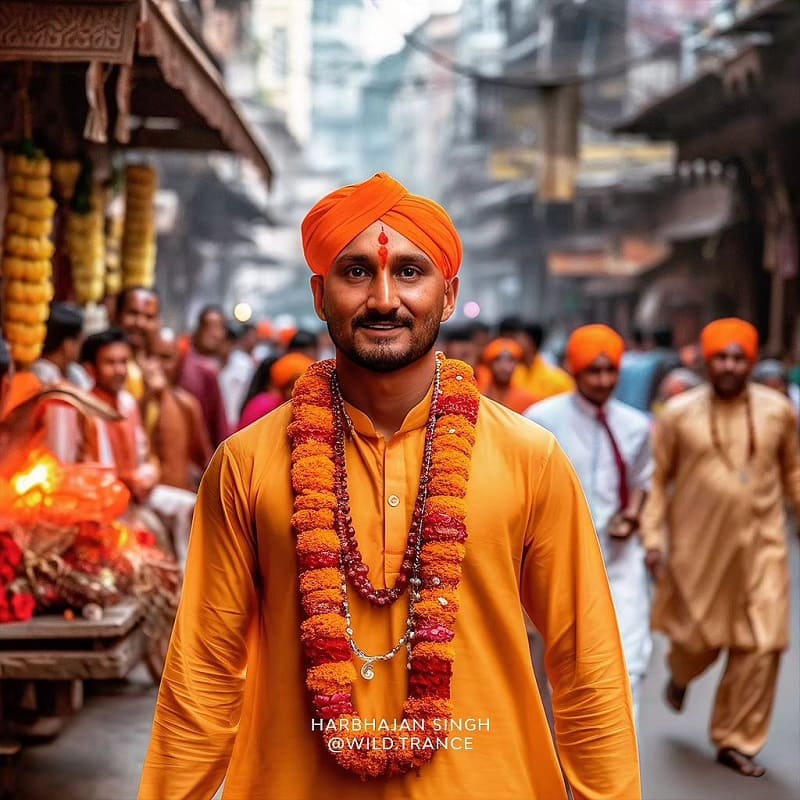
{"x": 631, "y": 256}
{"x": 177, "y": 98}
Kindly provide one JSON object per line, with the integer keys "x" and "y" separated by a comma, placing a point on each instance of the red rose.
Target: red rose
{"x": 23, "y": 605}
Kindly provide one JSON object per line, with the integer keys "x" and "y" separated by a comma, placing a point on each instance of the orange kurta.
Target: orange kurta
{"x": 233, "y": 695}
{"x": 542, "y": 379}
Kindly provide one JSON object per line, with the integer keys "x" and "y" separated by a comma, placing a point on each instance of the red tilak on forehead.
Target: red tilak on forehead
{"x": 383, "y": 250}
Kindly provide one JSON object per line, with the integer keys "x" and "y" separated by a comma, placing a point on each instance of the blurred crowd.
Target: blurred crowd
{"x": 153, "y": 404}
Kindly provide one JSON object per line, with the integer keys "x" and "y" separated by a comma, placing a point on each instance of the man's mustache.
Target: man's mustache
{"x": 386, "y": 319}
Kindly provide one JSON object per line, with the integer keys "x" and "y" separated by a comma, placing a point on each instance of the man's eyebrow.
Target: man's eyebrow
{"x": 419, "y": 259}
{"x": 348, "y": 259}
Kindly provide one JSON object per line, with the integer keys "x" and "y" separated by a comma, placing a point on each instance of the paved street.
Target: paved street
{"x": 99, "y": 756}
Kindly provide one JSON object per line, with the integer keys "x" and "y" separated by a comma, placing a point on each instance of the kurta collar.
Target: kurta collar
{"x": 108, "y": 398}
{"x": 415, "y": 419}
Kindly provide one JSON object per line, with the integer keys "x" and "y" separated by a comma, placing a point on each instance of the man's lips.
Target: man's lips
{"x": 382, "y": 326}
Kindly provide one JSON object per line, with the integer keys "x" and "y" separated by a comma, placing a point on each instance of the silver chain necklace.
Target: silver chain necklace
{"x": 415, "y": 582}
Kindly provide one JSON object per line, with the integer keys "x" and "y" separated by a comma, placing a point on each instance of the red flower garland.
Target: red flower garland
{"x": 331, "y": 672}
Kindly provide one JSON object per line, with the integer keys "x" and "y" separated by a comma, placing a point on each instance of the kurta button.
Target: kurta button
{"x": 394, "y": 500}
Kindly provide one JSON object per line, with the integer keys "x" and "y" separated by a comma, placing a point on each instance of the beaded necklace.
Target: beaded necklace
{"x": 751, "y": 438}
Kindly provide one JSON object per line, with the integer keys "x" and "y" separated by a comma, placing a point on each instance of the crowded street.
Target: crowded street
{"x": 399, "y": 400}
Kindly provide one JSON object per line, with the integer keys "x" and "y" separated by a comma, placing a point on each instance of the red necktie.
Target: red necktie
{"x": 622, "y": 470}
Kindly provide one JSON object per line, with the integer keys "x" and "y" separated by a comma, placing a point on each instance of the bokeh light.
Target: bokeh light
{"x": 472, "y": 310}
{"x": 242, "y": 312}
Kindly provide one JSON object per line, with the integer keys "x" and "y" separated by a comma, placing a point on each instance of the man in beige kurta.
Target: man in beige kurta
{"x": 714, "y": 528}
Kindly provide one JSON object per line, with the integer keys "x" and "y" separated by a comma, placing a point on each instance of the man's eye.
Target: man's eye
{"x": 409, "y": 272}
{"x": 356, "y": 272}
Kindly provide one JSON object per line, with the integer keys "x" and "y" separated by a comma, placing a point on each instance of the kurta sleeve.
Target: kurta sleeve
{"x": 199, "y": 704}
{"x": 641, "y": 470}
{"x": 565, "y": 590}
{"x": 654, "y": 515}
{"x": 790, "y": 461}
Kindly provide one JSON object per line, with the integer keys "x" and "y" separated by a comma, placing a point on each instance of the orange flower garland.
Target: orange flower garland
{"x": 326, "y": 638}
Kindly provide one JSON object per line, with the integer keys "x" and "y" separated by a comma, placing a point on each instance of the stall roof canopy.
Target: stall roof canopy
{"x": 177, "y": 98}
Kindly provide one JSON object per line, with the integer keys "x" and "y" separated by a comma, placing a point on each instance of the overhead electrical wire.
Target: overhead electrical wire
{"x": 542, "y": 81}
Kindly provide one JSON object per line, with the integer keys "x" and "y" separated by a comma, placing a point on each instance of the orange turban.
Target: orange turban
{"x": 500, "y": 346}
{"x": 722, "y": 333}
{"x": 342, "y": 215}
{"x": 288, "y": 368}
{"x": 590, "y": 342}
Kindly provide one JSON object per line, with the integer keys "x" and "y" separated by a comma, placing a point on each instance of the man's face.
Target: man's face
{"x": 111, "y": 369}
{"x": 503, "y": 368}
{"x": 525, "y": 342}
{"x": 72, "y": 349}
{"x": 598, "y": 381}
{"x": 167, "y": 353}
{"x": 139, "y": 318}
{"x": 729, "y": 371}
{"x": 211, "y": 335}
{"x": 383, "y": 300}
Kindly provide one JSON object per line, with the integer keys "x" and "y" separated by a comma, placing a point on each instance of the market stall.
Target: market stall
{"x": 86, "y": 594}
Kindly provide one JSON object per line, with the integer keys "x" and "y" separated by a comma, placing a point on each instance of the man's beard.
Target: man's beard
{"x": 381, "y": 356}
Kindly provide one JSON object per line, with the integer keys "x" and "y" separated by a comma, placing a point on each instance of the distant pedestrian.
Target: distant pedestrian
{"x": 714, "y": 528}
{"x": 200, "y": 371}
{"x": 534, "y": 374}
{"x": 501, "y": 359}
{"x": 608, "y": 443}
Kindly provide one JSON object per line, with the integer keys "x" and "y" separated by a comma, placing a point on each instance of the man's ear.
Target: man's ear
{"x": 318, "y": 292}
{"x": 450, "y": 297}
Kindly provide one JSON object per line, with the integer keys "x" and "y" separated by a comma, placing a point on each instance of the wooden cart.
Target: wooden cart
{"x": 43, "y": 663}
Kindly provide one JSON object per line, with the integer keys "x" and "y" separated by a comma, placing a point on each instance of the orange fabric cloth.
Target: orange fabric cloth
{"x": 500, "y": 346}
{"x": 285, "y": 336}
{"x": 590, "y": 342}
{"x": 722, "y": 333}
{"x": 516, "y": 399}
{"x": 287, "y": 369}
{"x": 264, "y": 329}
{"x": 24, "y": 385}
{"x": 340, "y": 216}
{"x": 233, "y": 702}
{"x": 541, "y": 379}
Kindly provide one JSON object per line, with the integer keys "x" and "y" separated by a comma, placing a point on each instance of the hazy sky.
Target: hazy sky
{"x": 386, "y": 24}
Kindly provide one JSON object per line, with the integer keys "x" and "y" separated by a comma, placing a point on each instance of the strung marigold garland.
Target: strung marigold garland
{"x": 331, "y": 673}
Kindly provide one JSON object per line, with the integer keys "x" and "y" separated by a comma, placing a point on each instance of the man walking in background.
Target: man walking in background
{"x": 200, "y": 371}
{"x": 608, "y": 443}
{"x": 726, "y": 457}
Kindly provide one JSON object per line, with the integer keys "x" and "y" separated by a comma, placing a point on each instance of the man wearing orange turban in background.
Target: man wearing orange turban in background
{"x": 369, "y": 543}
{"x": 501, "y": 357}
{"x": 714, "y": 528}
{"x": 608, "y": 443}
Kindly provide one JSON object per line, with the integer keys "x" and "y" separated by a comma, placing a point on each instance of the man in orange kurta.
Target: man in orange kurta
{"x": 233, "y": 704}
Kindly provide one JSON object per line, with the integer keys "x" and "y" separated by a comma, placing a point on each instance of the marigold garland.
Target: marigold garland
{"x": 331, "y": 673}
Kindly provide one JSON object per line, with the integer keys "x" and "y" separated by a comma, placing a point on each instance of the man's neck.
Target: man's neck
{"x": 589, "y": 400}
{"x": 58, "y": 361}
{"x": 729, "y": 398}
{"x": 386, "y": 397}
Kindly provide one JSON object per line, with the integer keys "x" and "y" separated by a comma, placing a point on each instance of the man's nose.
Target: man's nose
{"x": 383, "y": 295}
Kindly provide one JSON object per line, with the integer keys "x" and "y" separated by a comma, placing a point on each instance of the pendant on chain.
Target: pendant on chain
{"x": 368, "y": 671}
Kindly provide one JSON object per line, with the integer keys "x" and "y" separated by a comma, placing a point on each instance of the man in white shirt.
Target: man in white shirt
{"x": 608, "y": 443}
